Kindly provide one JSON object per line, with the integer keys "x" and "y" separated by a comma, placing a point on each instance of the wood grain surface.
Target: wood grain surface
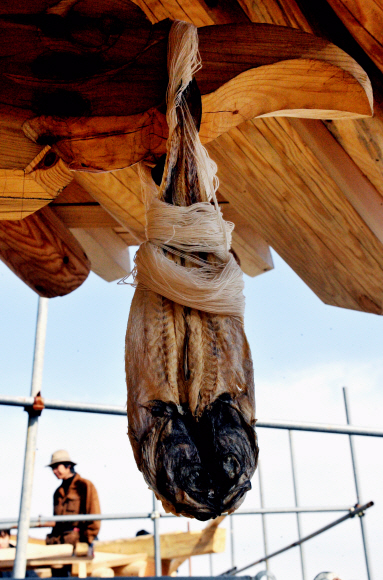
{"x": 42, "y": 252}
{"x": 273, "y": 179}
{"x": 364, "y": 19}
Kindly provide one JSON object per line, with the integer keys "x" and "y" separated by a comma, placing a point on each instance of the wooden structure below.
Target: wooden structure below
{"x": 122, "y": 557}
{"x": 84, "y": 95}
{"x": 176, "y": 547}
{"x": 100, "y": 565}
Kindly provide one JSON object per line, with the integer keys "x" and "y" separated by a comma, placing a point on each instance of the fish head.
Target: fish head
{"x": 230, "y": 451}
{"x": 172, "y": 465}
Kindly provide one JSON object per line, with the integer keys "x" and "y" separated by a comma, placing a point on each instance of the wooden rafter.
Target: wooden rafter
{"x": 42, "y": 252}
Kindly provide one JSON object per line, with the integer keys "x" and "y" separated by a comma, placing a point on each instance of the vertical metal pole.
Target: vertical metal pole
{"x": 264, "y": 527}
{"x": 210, "y": 564}
{"x": 292, "y": 457}
{"x": 19, "y": 568}
{"x": 232, "y": 548}
{"x": 156, "y": 538}
{"x": 357, "y": 484}
{"x": 189, "y": 559}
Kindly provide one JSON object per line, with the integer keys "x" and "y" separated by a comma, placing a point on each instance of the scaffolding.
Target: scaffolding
{"x": 35, "y": 404}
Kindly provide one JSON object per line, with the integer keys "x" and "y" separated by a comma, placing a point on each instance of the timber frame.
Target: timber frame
{"x": 287, "y": 116}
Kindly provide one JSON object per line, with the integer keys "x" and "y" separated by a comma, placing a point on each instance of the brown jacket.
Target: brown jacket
{"x": 80, "y": 498}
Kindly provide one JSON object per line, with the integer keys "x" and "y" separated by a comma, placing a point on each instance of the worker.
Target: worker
{"x": 5, "y": 542}
{"x": 74, "y": 496}
{"x": 5, "y": 537}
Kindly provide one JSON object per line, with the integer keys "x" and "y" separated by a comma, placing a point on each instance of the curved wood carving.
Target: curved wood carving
{"x": 294, "y": 88}
{"x": 82, "y": 63}
{"x": 43, "y": 253}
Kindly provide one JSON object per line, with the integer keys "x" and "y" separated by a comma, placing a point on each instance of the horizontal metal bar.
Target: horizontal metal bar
{"x": 321, "y": 428}
{"x": 116, "y": 410}
{"x": 42, "y": 521}
{"x": 356, "y": 511}
{"x": 58, "y": 405}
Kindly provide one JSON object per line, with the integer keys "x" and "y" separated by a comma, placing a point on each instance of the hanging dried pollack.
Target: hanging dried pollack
{"x": 189, "y": 371}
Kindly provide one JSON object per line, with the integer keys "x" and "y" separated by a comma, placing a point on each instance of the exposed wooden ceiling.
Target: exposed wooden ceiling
{"x": 310, "y": 189}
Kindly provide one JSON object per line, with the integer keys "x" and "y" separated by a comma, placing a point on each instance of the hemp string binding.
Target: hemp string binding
{"x": 191, "y": 407}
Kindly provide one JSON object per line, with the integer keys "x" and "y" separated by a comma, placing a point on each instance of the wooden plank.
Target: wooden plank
{"x": 84, "y": 216}
{"x": 362, "y": 139}
{"x": 107, "y": 251}
{"x": 35, "y": 552}
{"x": 363, "y": 142}
{"x": 274, "y": 180}
{"x": 251, "y": 249}
{"x": 119, "y": 194}
{"x": 23, "y": 192}
{"x": 364, "y": 20}
{"x": 362, "y": 195}
{"x": 43, "y": 253}
{"x": 20, "y": 195}
{"x": 16, "y": 150}
{"x": 187, "y": 10}
{"x": 106, "y": 560}
{"x": 173, "y": 545}
{"x": 277, "y": 12}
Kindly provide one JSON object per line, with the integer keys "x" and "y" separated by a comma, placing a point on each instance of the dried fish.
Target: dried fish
{"x": 191, "y": 407}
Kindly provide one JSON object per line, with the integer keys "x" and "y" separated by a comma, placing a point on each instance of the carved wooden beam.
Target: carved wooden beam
{"x": 83, "y": 63}
{"x": 43, "y": 253}
{"x": 296, "y": 74}
{"x": 291, "y": 88}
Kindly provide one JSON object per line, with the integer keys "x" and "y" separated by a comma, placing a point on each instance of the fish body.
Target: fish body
{"x": 189, "y": 373}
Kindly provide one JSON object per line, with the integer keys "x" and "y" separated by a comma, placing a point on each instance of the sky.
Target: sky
{"x": 304, "y": 352}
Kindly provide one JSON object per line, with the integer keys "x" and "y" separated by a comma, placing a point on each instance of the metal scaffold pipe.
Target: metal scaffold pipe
{"x": 156, "y": 537}
{"x": 357, "y": 484}
{"x": 357, "y": 511}
{"x": 57, "y": 405}
{"x": 19, "y": 568}
{"x": 45, "y": 521}
{"x": 293, "y": 472}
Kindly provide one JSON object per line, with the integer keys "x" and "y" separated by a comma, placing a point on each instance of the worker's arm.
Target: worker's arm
{"x": 91, "y": 529}
{"x": 53, "y": 538}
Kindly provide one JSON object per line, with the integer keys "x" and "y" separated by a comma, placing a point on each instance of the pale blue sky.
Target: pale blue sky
{"x": 303, "y": 351}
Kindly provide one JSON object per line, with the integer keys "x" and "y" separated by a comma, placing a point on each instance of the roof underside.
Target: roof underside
{"x": 311, "y": 189}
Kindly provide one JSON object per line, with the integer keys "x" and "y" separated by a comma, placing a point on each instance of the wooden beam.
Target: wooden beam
{"x": 361, "y": 139}
{"x": 16, "y": 150}
{"x": 119, "y": 193}
{"x": 43, "y": 253}
{"x": 108, "y": 253}
{"x": 359, "y": 191}
{"x": 364, "y": 20}
{"x": 84, "y": 216}
{"x": 251, "y": 249}
{"x": 173, "y": 545}
{"x": 24, "y": 192}
{"x": 297, "y": 74}
{"x": 271, "y": 177}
